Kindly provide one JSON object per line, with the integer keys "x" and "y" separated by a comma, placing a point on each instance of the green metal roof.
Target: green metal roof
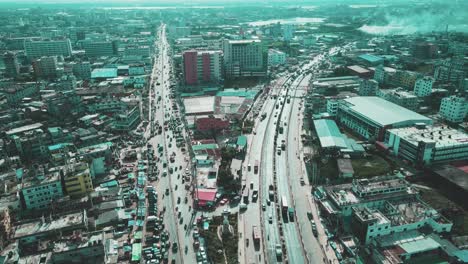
{"x": 204, "y": 146}
{"x": 136, "y": 252}
{"x": 370, "y": 58}
{"x": 383, "y": 112}
{"x": 241, "y": 141}
{"x": 329, "y": 134}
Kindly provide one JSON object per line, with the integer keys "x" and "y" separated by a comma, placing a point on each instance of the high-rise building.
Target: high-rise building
{"x": 243, "y": 58}
{"x": 202, "y": 66}
{"x": 46, "y": 67}
{"x": 453, "y": 109}
{"x": 423, "y": 86}
{"x": 12, "y": 65}
{"x": 82, "y": 70}
{"x": 368, "y": 87}
{"x": 288, "y": 32}
{"x": 424, "y": 50}
{"x": 98, "y": 48}
{"x": 37, "y": 49}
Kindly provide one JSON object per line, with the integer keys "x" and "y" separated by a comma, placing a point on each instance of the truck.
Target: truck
{"x": 256, "y": 167}
{"x": 284, "y": 205}
{"x": 283, "y": 145}
{"x": 256, "y": 235}
{"x": 264, "y": 115}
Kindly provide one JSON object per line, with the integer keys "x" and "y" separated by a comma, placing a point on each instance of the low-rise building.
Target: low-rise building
{"x": 370, "y": 116}
{"x": 127, "y": 120}
{"x": 378, "y": 206}
{"x": 424, "y": 145}
{"x": 33, "y": 231}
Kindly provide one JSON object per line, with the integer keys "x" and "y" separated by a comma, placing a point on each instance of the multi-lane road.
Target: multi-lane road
{"x": 279, "y": 170}
{"x": 173, "y": 198}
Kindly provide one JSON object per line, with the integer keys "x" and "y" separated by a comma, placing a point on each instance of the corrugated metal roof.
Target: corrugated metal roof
{"x": 419, "y": 245}
{"x": 329, "y": 134}
{"x": 383, "y": 112}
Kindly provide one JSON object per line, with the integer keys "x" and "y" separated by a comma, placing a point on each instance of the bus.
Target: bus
{"x": 245, "y": 195}
{"x": 256, "y": 235}
{"x": 256, "y": 167}
{"x": 284, "y": 205}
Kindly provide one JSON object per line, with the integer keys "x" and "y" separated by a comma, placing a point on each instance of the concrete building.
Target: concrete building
{"x": 40, "y": 48}
{"x": 332, "y": 106}
{"x": 359, "y": 71}
{"x": 368, "y": 87}
{"x": 453, "y": 109}
{"x": 89, "y": 249}
{"x": 378, "y": 206}
{"x": 370, "y": 116}
{"x": 424, "y": 50}
{"x": 243, "y": 58}
{"x": 405, "y": 79}
{"x": 46, "y": 67}
{"x": 383, "y": 74}
{"x": 30, "y": 141}
{"x": 400, "y": 97}
{"x": 15, "y": 93}
{"x": 33, "y": 231}
{"x": 40, "y": 191}
{"x": 12, "y": 65}
{"x": 276, "y": 57}
{"x": 98, "y": 48}
{"x": 423, "y": 86}
{"x": 288, "y": 32}
{"x": 77, "y": 178}
{"x": 127, "y": 120}
{"x": 333, "y": 85}
{"x": 425, "y": 145}
{"x": 81, "y": 70}
{"x": 202, "y": 66}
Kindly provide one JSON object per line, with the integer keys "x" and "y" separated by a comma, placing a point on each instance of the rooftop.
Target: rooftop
{"x": 358, "y": 69}
{"x": 23, "y": 129}
{"x": 104, "y": 73}
{"x": 370, "y": 58}
{"x": 329, "y": 134}
{"x": 442, "y": 136}
{"x": 199, "y": 105}
{"x": 42, "y": 226}
{"x": 453, "y": 174}
{"x": 383, "y": 112}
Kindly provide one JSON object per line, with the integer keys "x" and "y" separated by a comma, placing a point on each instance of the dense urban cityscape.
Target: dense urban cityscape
{"x": 234, "y": 132}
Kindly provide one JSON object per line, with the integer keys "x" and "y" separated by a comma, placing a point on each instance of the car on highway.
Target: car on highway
{"x": 270, "y": 218}
{"x": 263, "y": 207}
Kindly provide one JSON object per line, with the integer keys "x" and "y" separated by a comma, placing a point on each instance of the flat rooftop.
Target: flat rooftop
{"x": 22, "y": 129}
{"x": 199, "y": 105}
{"x": 382, "y": 112}
{"x": 442, "y": 136}
{"x": 358, "y": 69}
{"x": 38, "y": 226}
